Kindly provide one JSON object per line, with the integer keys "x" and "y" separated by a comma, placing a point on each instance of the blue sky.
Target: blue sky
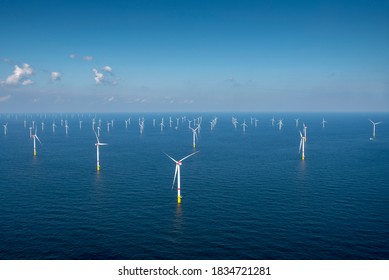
{"x": 194, "y": 55}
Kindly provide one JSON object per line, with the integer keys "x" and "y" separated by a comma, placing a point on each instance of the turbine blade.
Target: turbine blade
{"x": 301, "y": 143}
{"x": 175, "y": 175}
{"x": 97, "y": 138}
{"x": 37, "y": 138}
{"x": 189, "y": 155}
{"x": 171, "y": 158}
{"x": 301, "y": 134}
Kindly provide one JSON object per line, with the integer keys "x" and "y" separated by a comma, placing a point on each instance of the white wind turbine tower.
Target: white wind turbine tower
{"x": 66, "y": 128}
{"x": 177, "y": 174}
{"x": 374, "y": 124}
{"x": 194, "y": 130}
{"x": 43, "y": 126}
{"x": 30, "y": 131}
{"x": 297, "y": 122}
{"x": 98, "y": 144}
{"x": 98, "y": 131}
{"x": 272, "y": 121}
{"x": 244, "y": 125}
{"x": 54, "y": 126}
{"x": 93, "y": 123}
{"x": 108, "y": 124}
{"x": 323, "y": 122}
{"x": 302, "y": 146}
{"x": 35, "y": 137}
{"x": 5, "y": 128}
{"x": 280, "y": 124}
{"x": 80, "y": 124}
{"x": 141, "y": 126}
{"x": 305, "y": 132}
{"x": 162, "y": 125}
{"x": 24, "y": 123}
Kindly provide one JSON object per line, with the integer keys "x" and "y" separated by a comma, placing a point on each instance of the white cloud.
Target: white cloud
{"x": 105, "y": 76}
{"x": 72, "y": 56}
{"x": 88, "y": 58}
{"x": 20, "y": 76}
{"x": 99, "y": 77}
{"x": 107, "y": 68}
{"x": 27, "y": 82}
{"x": 55, "y": 76}
{"x": 4, "y": 98}
{"x": 110, "y": 99}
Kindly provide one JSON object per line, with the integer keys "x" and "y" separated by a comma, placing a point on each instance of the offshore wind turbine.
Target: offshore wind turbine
{"x": 302, "y": 146}
{"x": 98, "y": 144}
{"x": 177, "y": 174}
{"x": 323, "y": 122}
{"x": 280, "y": 124}
{"x": 374, "y": 124}
{"x": 244, "y": 125}
{"x": 305, "y": 132}
{"x": 35, "y": 137}
{"x": 297, "y": 122}
{"x": 5, "y": 128}
{"x": 194, "y": 130}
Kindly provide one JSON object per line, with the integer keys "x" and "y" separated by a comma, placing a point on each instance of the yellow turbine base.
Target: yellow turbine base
{"x": 98, "y": 168}
{"x": 302, "y": 158}
{"x": 178, "y": 199}
{"x": 34, "y": 154}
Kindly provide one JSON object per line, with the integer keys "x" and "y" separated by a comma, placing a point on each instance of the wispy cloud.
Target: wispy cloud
{"x": 87, "y": 57}
{"x": 20, "y": 76}
{"x": 107, "y": 68}
{"x": 55, "y": 76}
{"x": 4, "y": 98}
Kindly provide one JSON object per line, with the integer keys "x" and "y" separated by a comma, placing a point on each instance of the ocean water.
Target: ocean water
{"x": 245, "y": 195}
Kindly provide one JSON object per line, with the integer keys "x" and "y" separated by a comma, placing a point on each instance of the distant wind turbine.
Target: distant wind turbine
{"x": 280, "y": 124}
{"x": 302, "y": 146}
{"x": 35, "y": 137}
{"x": 244, "y": 125}
{"x": 374, "y": 124}
{"x": 194, "y": 130}
{"x": 98, "y": 144}
{"x": 5, "y": 128}
{"x": 323, "y": 122}
{"x": 177, "y": 174}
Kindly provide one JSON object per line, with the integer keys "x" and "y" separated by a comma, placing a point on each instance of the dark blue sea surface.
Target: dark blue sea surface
{"x": 245, "y": 195}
